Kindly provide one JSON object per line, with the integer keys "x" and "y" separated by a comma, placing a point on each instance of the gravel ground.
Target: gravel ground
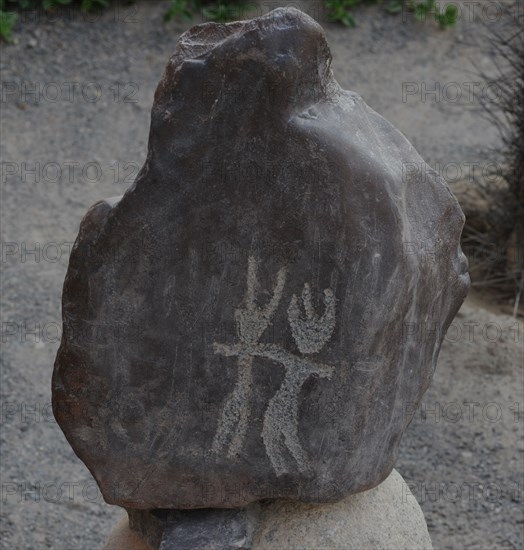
{"x": 75, "y": 103}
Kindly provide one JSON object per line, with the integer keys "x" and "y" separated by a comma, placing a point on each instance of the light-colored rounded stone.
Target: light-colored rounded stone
{"x": 387, "y": 517}
{"x": 122, "y": 538}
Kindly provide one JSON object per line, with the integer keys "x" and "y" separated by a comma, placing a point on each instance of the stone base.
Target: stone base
{"x": 387, "y": 517}
{"x": 122, "y": 538}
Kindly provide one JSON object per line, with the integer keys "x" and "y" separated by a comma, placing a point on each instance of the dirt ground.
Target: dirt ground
{"x": 76, "y": 96}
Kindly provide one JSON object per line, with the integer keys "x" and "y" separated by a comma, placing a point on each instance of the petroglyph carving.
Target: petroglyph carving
{"x": 311, "y": 334}
{"x": 251, "y": 321}
{"x": 280, "y": 427}
{"x": 316, "y": 209}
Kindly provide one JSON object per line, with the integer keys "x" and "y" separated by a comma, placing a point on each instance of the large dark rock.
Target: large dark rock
{"x": 259, "y": 314}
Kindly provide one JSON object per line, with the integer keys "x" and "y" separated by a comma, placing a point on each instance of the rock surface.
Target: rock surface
{"x": 213, "y": 529}
{"x": 387, "y": 517}
{"x": 259, "y": 314}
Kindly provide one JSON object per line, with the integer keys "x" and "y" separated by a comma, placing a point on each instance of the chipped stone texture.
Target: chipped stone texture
{"x": 205, "y": 529}
{"x": 209, "y": 530}
{"x": 259, "y": 314}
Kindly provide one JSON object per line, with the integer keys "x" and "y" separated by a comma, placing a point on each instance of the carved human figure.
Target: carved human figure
{"x": 280, "y": 426}
{"x": 251, "y": 322}
{"x": 280, "y": 429}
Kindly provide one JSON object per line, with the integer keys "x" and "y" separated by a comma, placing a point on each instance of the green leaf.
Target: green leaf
{"x": 178, "y": 8}
{"x": 349, "y": 20}
{"x": 395, "y": 6}
{"x": 89, "y": 5}
{"x": 338, "y": 11}
{"x": 50, "y": 4}
{"x": 451, "y": 15}
{"x": 7, "y": 22}
{"x": 421, "y": 12}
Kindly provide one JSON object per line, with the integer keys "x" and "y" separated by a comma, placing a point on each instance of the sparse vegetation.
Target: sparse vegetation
{"x": 219, "y": 12}
{"x": 7, "y": 22}
{"x": 424, "y": 9}
{"x": 496, "y": 246}
{"x": 180, "y": 9}
{"x": 8, "y": 18}
{"x": 341, "y": 11}
{"x": 337, "y": 11}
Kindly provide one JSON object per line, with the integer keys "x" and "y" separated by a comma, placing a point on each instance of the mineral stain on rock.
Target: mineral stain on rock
{"x": 264, "y": 254}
